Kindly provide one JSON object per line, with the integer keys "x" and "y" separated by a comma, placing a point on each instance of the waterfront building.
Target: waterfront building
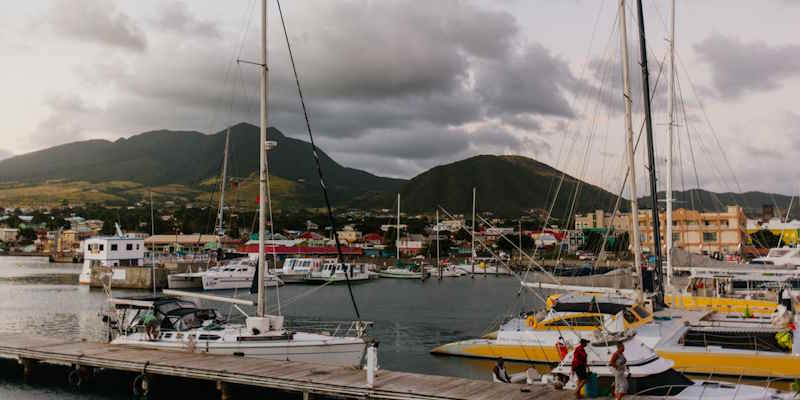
{"x": 188, "y": 244}
{"x": 600, "y": 219}
{"x": 699, "y": 232}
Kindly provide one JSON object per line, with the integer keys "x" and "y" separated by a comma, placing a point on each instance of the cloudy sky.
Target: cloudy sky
{"x": 398, "y": 86}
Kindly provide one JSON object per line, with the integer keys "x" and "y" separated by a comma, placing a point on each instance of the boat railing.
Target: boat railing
{"x": 746, "y": 376}
{"x": 331, "y": 328}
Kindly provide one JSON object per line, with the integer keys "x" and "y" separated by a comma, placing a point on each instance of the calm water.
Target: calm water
{"x": 410, "y": 317}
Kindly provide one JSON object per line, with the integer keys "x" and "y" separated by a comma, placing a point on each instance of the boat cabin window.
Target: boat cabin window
{"x": 641, "y": 311}
{"x": 667, "y": 383}
{"x": 114, "y": 247}
{"x": 129, "y": 246}
{"x": 629, "y": 316}
{"x": 778, "y": 252}
{"x": 576, "y": 321}
{"x": 101, "y": 247}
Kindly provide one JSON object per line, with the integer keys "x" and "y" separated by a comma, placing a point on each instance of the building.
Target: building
{"x": 8, "y": 234}
{"x": 187, "y": 244}
{"x": 699, "y": 232}
{"x": 349, "y": 234}
{"x": 601, "y": 220}
{"x": 111, "y": 251}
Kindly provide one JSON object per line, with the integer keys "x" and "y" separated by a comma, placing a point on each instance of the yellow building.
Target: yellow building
{"x": 698, "y": 232}
{"x": 602, "y": 219}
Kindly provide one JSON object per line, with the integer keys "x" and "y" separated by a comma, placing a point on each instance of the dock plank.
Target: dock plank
{"x": 340, "y": 382}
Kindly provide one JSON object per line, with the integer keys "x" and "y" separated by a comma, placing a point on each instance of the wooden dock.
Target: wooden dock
{"x": 293, "y": 377}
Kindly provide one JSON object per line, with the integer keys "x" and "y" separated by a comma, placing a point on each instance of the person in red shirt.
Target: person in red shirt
{"x": 579, "y": 366}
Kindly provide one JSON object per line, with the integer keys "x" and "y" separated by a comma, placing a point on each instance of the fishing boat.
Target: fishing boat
{"x": 649, "y": 374}
{"x": 333, "y": 272}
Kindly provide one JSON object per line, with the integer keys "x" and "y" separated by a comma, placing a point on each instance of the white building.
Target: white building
{"x": 8, "y": 234}
{"x": 111, "y": 251}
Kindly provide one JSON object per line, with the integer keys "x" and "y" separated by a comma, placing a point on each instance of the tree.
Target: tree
{"x": 26, "y": 235}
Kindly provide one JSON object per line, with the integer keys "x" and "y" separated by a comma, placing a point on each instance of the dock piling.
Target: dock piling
{"x": 27, "y": 368}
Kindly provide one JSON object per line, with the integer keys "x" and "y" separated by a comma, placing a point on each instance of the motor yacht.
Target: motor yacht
{"x": 333, "y": 272}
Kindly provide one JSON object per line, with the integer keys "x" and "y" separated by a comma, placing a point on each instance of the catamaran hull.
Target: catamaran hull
{"x": 346, "y": 354}
{"x": 223, "y": 284}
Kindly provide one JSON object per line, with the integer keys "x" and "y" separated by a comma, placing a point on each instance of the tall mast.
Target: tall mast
{"x": 438, "y": 262}
{"x": 671, "y": 124}
{"x": 220, "y": 232}
{"x": 659, "y": 275}
{"x": 635, "y": 236}
{"x": 472, "y": 255}
{"x": 397, "y": 243}
{"x": 262, "y": 178}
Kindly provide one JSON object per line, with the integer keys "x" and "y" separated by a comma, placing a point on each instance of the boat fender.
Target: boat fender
{"x": 141, "y": 385}
{"x": 75, "y": 378}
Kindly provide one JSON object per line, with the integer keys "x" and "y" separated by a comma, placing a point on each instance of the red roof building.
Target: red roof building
{"x": 301, "y": 250}
{"x": 373, "y": 238}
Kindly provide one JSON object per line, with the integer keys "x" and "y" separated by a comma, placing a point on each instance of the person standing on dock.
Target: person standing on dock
{"x": 618, "y": 366}
{"x": 579, "y": 367}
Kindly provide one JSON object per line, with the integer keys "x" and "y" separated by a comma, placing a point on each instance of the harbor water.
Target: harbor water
{"x": 410, "y": 317}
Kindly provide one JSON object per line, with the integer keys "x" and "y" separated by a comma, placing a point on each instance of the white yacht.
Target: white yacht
{"x": 788, "y": 256}
{"x": 404, "y": 271}
{"x": 236, "y": 275}
{"x": 184, "y": 326}
{"x": 447, "y": 271}
{"x": 296, "y": 270}
{"x": 332, "y": 272}
{"x": 650, "y": 375}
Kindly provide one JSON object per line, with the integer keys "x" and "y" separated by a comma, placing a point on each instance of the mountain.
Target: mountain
{"x": 189, "y": 159}
{"x": 505, "y": 185}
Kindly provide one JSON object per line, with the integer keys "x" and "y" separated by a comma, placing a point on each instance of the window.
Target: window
{"x": 101, "y": 247}
{"x": 709, "y": 236}
{"x": 114, "y": 247}
{"x": 137, "y": 247}
{"x": 129, "y": 246}
{"x": 676, "y": 237}
{"x": 629, "y": 316}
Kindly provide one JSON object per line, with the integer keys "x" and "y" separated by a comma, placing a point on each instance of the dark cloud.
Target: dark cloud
{"x": 739, "y": 68}
{"x": 95, "y": 21}
{"x": 390, "y": 79}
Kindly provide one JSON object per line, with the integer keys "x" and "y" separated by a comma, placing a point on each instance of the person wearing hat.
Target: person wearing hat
{"x": 500, "y": 371}
{"x": 579, "y": 366}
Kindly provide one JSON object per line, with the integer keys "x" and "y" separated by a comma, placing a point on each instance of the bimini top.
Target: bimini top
{"x": 602, "y": 304}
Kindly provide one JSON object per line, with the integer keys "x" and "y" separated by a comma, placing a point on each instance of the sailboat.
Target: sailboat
{"x": 402, "y": 270}
{"x": 478, "y": 266}
{"x": 182, "y": 325}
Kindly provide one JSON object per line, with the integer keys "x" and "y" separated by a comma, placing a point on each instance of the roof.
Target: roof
{"x": 195, "y": 238}
{"x": 286, "y": 250}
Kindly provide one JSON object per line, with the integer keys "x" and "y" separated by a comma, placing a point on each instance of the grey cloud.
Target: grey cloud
{"x": 739, "y": 68}
{"x": 95, "y": 21}
{"x": 5, "y": 154}
{"x": 175, "y": 16}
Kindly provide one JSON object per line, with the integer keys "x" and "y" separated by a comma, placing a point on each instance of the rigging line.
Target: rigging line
{"x": 316, "y": 160}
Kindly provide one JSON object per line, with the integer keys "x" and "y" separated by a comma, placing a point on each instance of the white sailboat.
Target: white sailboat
{"x": 402, "y": 270}
{"x": 181, "y": 325}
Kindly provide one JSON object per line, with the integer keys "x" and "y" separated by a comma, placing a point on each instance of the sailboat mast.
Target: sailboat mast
{"x": 472, "y": 255}
{"x": 438, "y": 262}
{"x": 397, "y": 242}
{"x": 671, "y": 124}
{"x": 262, "y": 178}
{"x": 658, "y": 281}
{"x": 634, "y": 236}
{"x": 220, "y": 232}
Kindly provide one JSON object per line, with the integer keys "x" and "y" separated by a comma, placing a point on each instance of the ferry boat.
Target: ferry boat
{"x": 117, "y": 255}
{"x": 184, "y": 326}
{"x": 649, "y": 375}
{"x": 332, "y": 272}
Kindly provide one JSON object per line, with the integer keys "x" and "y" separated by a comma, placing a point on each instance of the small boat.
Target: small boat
{"x": 238, "y": 274}
{"x": 447, "y": 271}
{"x": 404, "y": 271}
{"x": 649, "y": 375}
{"x": 332, "y": 272}
{"x": 483, "y": 268}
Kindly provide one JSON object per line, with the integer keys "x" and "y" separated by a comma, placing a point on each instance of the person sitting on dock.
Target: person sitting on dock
{"x": 579, "y": 366}
{"x": 500, "y": 371}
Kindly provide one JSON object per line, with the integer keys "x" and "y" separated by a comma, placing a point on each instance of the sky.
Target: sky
{"x": 395, "y": 87}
